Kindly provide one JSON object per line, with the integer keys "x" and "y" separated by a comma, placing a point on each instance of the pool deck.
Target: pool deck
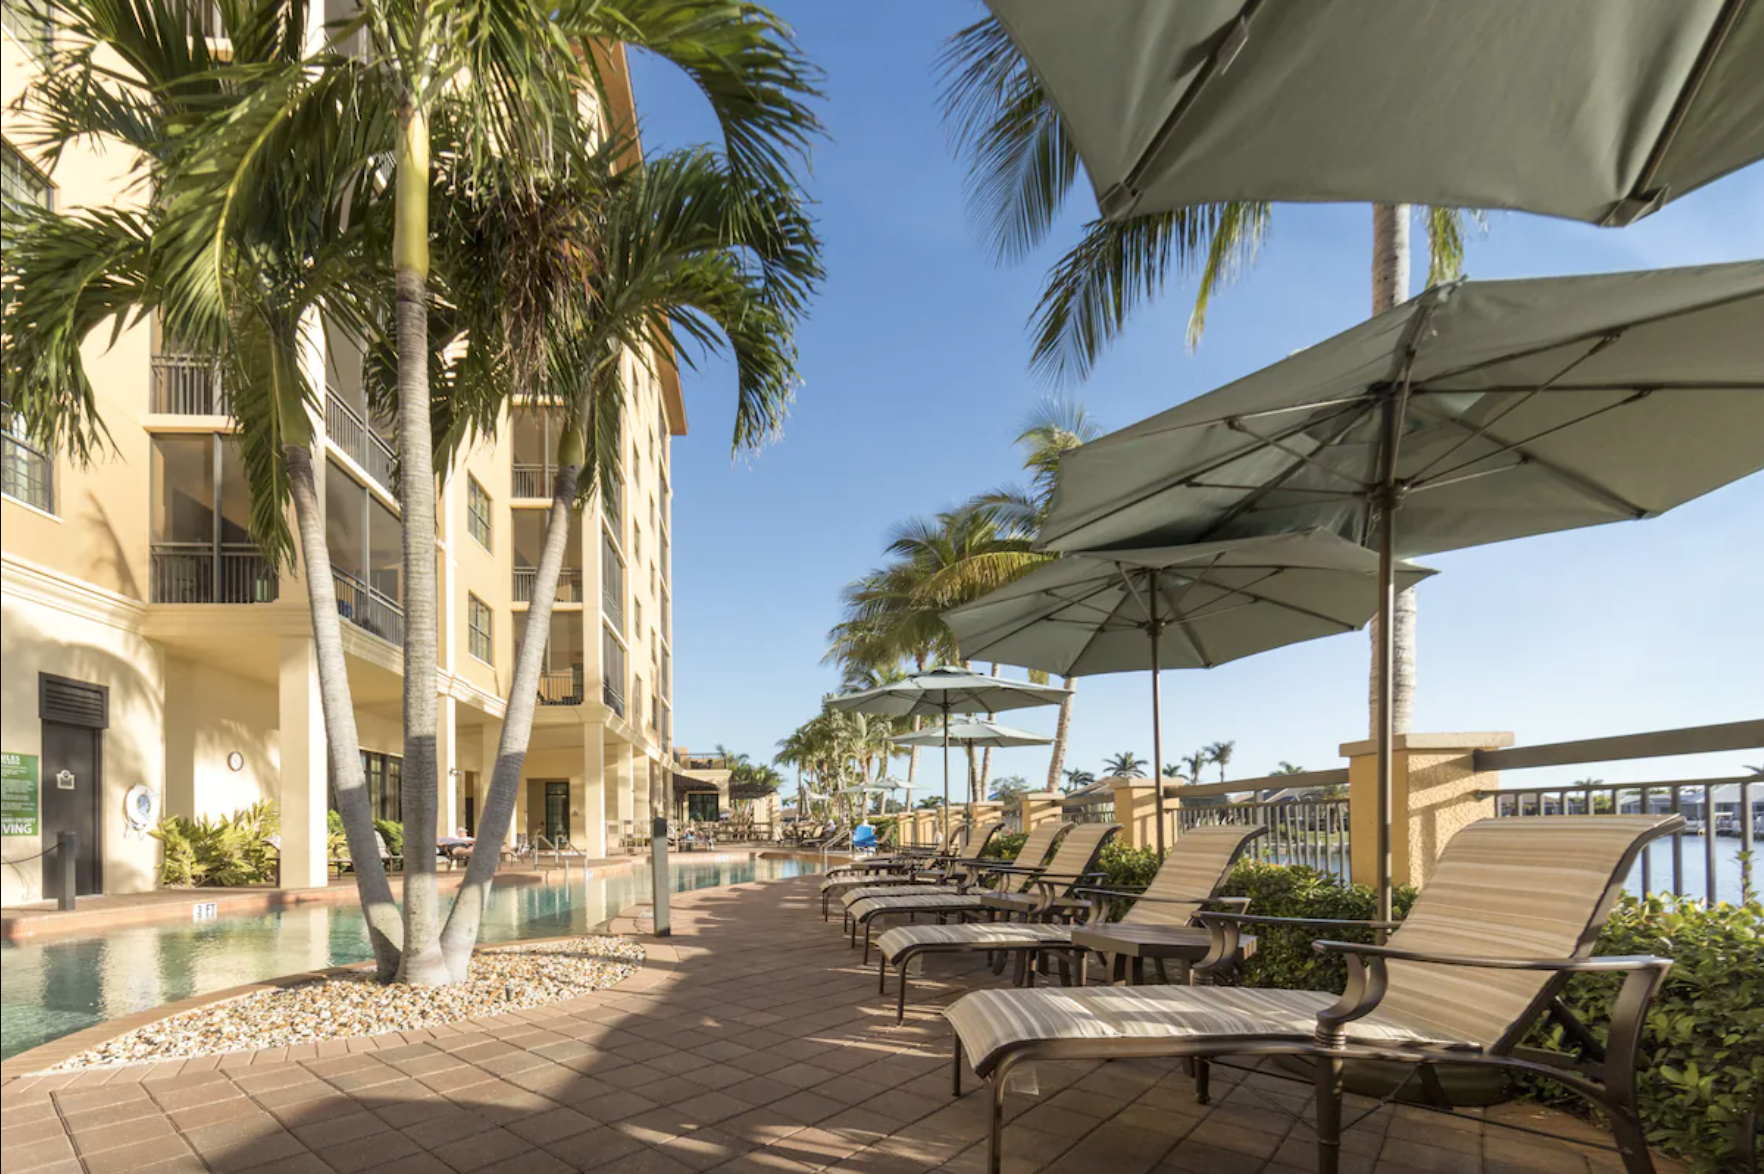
{"x": 751, "y": 1040}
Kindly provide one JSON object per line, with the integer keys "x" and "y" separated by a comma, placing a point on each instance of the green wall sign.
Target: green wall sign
{"x": 18, "y": 794}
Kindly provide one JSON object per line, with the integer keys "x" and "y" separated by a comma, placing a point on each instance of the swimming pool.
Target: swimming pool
{"x": 60, "y": 985}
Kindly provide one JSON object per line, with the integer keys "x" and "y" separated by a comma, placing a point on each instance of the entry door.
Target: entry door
{"x": 557, "y": 812}
{"x": 71, "y": 783}
{"x": 471, "y": 813}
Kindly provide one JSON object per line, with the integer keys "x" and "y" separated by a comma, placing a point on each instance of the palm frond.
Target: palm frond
{"x": 1446, "y": 235}
{"x": 1021, "y": 163}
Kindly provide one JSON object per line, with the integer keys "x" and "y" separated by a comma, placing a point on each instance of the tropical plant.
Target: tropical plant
{"x": 1125, "y": 765}
{"x": 240, "y": 849}
{"x": 243, "y": 162}
{"x": 1022, "y": 165}
{"x": 1193, "y": 764}
{"x": 1009, "y": 788}
{"x": 1287, "y": 768}
{"x": 1219, "y": 754}
{"x": 1078, "y": 777}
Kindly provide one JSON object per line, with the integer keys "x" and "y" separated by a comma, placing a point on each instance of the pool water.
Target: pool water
{"x": 58, "y": 985}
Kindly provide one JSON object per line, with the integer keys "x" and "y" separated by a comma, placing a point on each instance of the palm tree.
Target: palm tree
{"x": 1056, "y": 427}
{"x": 518, "y": 115}
{"x": 1219, "y": 753}
{"x": 1194, "y": 763}
{"x": 1077, "y": 777}
{"x": 1023, "y": 165}
{"x": 1125, "y": 765}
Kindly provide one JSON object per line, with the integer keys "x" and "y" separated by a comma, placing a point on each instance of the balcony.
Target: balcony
{"x": 186, "y": 384}
{"x": 197, "y": 572}
{"x": 561, "y": 686}
{"x": 374, "y": 613}
{"x": 612, "y": 583}
{"x": 612, "y": 671}
{"x": 533, "y": 481}
{"x": 349, "y": 432}
{"x": 569, "y": 584}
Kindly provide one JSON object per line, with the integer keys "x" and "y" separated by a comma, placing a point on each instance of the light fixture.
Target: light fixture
{"x": 235, "y": 761}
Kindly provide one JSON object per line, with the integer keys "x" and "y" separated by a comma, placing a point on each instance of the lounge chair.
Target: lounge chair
{"x": 1163, "y": 912}
{"x": 952, "y": 846}
{"x": 958, "y": 872}
{"x": 1071, "y": 865}
{"x": 1512, "y": 911}
{"x": 921, "y": 870}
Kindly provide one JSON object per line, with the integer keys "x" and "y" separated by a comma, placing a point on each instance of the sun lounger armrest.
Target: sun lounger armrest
{"x": 1228, "y": 932}
{"x": 1367, "y": 980}
{"x": 1098, "y": 899}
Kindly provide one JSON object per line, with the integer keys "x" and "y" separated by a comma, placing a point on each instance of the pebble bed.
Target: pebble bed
{"x": 505, "y": 979}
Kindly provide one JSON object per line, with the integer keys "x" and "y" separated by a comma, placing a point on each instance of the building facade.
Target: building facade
{"x": 155, "y": 665}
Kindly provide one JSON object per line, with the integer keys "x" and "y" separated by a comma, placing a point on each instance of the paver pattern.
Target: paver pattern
{"x": 750, "y": 1041}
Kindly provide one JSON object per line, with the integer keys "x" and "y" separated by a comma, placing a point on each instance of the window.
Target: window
{"x": 612, "y": 582}
{"x": 201, "y": 545}
{"x": 383, "y": 774}
{"x": 30, "y": 22}
{"x": 21, "y": 185}
{"x": 612, "y": 671}
{"x": 636, "y": 544}
{"x": 366, "y": 545}
{"x": 27, "y": 472}
{"x": 636, "y": 619}
{"x": 477, "y": 511}
{"x": 481, "y": 627}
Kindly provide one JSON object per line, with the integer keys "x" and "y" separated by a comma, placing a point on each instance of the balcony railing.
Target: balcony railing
{"x": 533, "y": 481}
{"x": 569, "y": 584}
{"x": 372, "y": 612}
{"x": 366, "y": 447}
{"x": 561, "y": 686}
{"x": 199, "y": 572}
{"x": 186, "y": 384}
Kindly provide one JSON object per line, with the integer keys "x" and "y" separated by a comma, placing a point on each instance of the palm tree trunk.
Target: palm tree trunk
{"x": 422, "y": 963}
{"x": 461, "y": 932}
{"x": 1057, "y": 760}
{"x": 1390, "y": 287}
{"x": 385, "y": 930}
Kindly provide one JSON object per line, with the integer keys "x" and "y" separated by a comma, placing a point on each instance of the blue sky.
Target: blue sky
{"x": 916, "y": 379}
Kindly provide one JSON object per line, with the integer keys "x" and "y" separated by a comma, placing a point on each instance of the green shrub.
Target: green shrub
{"x": 1004, "y": 846}
{"x": 1703, "y": 1050}
{"x": 230, "y": 851}
{"x": 1283, "y": 957}
{"x": 392, "y": 832}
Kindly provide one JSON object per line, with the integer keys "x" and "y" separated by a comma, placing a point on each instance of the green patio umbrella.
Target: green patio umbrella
{"x": 1197, "y": 606}
{"x": 971, "y": 732}
{"x": 1598, "y": 110}
{"x": 1475, "y": 413}
{"x": 944, "y": 691}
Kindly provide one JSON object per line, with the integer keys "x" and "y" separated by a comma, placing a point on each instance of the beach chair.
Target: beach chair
{"x": 1072, "y": 863}
{"x": 951, "y": 873}
{"x": 922, "y": 870}
{"x": 1510, "y": 914}
{"x": 905, "y": 857}
{"x": 1160, "y": 922}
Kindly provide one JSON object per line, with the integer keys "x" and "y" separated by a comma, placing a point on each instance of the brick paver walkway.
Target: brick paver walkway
{"x": 751, "y": 1041}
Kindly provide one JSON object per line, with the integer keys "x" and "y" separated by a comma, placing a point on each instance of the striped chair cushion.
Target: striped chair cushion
{"x": 1076, "y": 853}
{"x": 910, "y": 902}
{"x": 852, "y": 896}
{"x": 1197, "y": 865}
{"x": 1538, "y": 887}
{"x": 979, "y": 935}
{"x": 841, "y": 885}
{"x": 988, "y": 1021}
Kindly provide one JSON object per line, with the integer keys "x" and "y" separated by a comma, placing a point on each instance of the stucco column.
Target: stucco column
{"x": 301, "y": 795}
{"x": 490, "y": 735}
{"x": 1136, "y": 811}
{"x": 591, "y": 822}
{"x": 1433, "y": 795}
{"x": 1039, "y": 806}
{"x": 641, "y": 787}
{"x": 625, "y": 801}
{"x": 447, "y": 767}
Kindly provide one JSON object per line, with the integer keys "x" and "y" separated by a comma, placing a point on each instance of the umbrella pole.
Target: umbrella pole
{"x": 1157, "y": 715}
{"x": 1386, "y": 655}
{"x": 946, "y": 771}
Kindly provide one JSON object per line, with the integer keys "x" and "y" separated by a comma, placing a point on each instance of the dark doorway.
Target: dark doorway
{"x": 557, "y": 812}
{"x": 74, "y": 716}
{"x": 701, "y": 807}
{"x": 471, "y": 815}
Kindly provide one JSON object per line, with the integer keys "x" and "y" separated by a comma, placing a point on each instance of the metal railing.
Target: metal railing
{"x": 1102, "y": 811}
{"x": 569, "y": 584}
{"x": 346, "y": 428}
{"x": 186, "y": 384}
{"x": 533, "y": 481}
{"x": 199, "y": 572}
{"x": 1312, "y": 832}
{"x": 371, "y": 611}
{"x": 561, "y": 686}
{"x": 1710, "y": 859}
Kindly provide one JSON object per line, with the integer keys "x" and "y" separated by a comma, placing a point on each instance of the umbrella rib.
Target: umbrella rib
{"x": 1639, "y": 200}
{"x": 1564, "y": 388}
{"x": 1305, "y": 458}
{"x": 1101, "y": 586}
{"x": 1249, "y": 501}
{"x": 1258, "y": 597}
{"x": 1520, "y": 401}
{"x": 1578, "y": 480}
{"x": 1187, "y": 477}
{"x": 1124, "y": 194}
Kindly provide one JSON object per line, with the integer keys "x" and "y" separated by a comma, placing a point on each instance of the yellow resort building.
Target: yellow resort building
{"x": 154, "y": 664}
